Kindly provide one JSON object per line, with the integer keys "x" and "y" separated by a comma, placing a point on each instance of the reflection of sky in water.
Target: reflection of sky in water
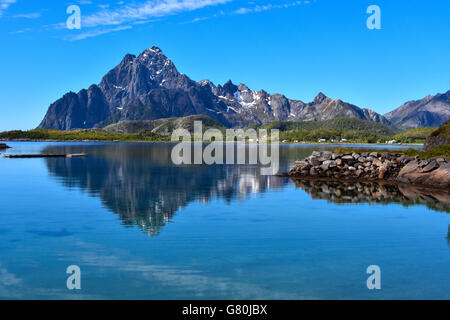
{"x": 216, "y": 231}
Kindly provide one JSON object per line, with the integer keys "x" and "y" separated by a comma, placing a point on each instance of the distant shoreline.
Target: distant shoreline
{"x": 147, "y": 141}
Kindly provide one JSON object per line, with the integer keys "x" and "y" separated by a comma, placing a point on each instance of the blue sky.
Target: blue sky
{"x": 297, "y": 48}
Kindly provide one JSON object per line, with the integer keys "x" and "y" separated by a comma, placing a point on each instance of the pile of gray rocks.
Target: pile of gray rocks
{"x": 374, "y": 166}
{"x": 350, "y": 165}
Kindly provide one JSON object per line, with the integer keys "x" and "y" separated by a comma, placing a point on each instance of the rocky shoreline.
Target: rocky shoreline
{"x": 374, "y": 166}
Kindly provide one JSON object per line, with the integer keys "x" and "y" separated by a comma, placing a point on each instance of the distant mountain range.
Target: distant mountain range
{"x": 149, "y": 87}
{"x": 431, "y": 111}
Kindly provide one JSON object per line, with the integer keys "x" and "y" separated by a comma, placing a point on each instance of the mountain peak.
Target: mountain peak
{"x": 243, "y": 87}
{"x": 128, "y": 57}
{"x": 206, "y": 82}
{"x": 230, "y": 87}
{"x": 320, "y": 98}
{"x": 155, "y": 49}
{"x": 153, "y": 53}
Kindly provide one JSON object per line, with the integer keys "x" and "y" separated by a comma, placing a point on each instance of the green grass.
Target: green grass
{"x": 415, "y": 135}
{"x": 79, "y": 135}
{"x": 339, "y": 124}
{"x": 444, "y": 130}
{"x": 353, "y": 130}
{"x": 437, "y": 152}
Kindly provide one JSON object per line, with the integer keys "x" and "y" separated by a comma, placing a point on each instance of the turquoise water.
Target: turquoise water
{"x": 141, "y": 228}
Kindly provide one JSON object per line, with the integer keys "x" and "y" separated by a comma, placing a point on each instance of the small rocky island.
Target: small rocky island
{"x": 4, "y": 146}
{"x": 374, "y": 166}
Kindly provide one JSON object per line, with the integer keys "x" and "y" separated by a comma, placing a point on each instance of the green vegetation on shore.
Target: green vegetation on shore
{"x": 437, "y": 152}
{"x": 339, "y": 124}
{"x": 335, "y": 130}
{"x": 444, "y": 130}
{"x": 80, "y": 135}
{"x": 345, "y": 130}
{"x": 419, "y": 135}
{"x": 436, "y": 145}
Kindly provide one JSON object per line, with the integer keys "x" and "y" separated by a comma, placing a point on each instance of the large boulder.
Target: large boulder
{"x": 436, "y": 173}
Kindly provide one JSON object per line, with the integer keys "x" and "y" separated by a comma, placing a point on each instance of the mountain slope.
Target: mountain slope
{"x": 341, "y": 124}
{"x": 162, "y": 126}
{"x": 431, "y": 111}
{"x": 149, "y": 87}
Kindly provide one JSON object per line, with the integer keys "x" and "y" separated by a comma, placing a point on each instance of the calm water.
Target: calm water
{"x": 141, "y": 228}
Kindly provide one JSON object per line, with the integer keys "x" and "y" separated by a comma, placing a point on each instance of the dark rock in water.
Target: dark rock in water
{"x": 4, "y": 146}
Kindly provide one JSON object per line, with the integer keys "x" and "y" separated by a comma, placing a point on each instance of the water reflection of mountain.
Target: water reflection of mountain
{"x": 142, "y": 186}
{"x": 377, "y": 193}
{"x": 139, "y": 183}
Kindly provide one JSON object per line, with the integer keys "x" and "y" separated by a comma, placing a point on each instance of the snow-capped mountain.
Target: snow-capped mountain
{"x": 149, "y": 86}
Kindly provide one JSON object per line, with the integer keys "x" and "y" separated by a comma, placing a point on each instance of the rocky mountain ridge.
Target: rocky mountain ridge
{"x": 431, "y": 111}
{"x": 149, "y": 87}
